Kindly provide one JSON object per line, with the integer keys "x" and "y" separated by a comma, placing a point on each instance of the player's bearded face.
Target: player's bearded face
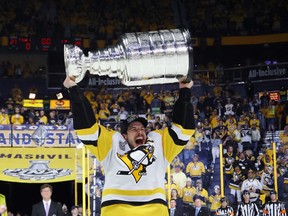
{"x": 136, "y": 134}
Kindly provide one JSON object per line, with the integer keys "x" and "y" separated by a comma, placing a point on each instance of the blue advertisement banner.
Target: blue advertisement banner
{"x": 31, "y": 136}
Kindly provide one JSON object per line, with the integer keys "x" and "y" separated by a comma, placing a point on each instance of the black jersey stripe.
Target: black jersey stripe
{"x": 113, "y": 202}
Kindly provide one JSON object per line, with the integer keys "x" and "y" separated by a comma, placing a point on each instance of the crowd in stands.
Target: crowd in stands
{"x": 104, "y": 20}
{"x": 236, "y": 17}
{"x": 88, "y": 19}
{"x": 223, "y": 105}
{"x": 19, "y": 70}
{"x": 221, "y": 117}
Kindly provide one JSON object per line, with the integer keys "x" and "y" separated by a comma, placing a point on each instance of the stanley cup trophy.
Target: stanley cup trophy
{"x": 141, "y": 58}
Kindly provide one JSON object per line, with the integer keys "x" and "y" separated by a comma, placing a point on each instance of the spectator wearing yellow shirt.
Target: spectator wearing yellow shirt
{"x": 121, "y": 99}
{"x": 200, "y": 191}
{"x": 188, "y": 192}
{"x": 231, "y": 126}
{"x": 214, "y": 199}
{"x": 103, "y": 113}
{"x": 17, "y": 118}
{"x": 148, "y": 98}
{"x": 270, "y": 115}
{"x": 214, "y": 119}
{"x": 267, "y": 160}
{"x": 241, "y": 121}
{"x": 255, "y": 120}
{"x": 89, "y": 95}
{"x": 230, "y": 120}
{"x": 42, "y": 118}
{"x": 195, "y": 168}
{"x": 4, "y": 118}
{"x": 179, "y": 177}
{"x": 237, "y": 135}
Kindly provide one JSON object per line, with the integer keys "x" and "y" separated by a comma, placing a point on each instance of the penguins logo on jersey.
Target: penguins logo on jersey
{"x": 137, "y": 160}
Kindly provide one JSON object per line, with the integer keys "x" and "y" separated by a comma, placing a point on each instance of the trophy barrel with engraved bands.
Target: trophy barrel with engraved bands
{"x": 141, "y": 58}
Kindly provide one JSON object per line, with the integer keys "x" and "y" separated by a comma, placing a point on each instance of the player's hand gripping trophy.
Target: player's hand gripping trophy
{"x": 141, "y": 58}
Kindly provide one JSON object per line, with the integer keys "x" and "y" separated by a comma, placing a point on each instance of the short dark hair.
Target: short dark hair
{"x": 132, "y": 118}
{"x": 245, "y": 192}
{"x": 223, "y": 199}
{"x": 172, "y": 199}
{"x": 46, "y": 186}
{"x": 196, "y": 196}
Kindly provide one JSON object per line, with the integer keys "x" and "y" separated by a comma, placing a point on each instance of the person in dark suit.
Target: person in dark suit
{"x": 174, "y": 211}
{"x": 47, "y": 207}
{"x": 198, "y": 209}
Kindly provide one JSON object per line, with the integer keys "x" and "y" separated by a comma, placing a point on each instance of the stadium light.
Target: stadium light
{"x": 32, "y": 96}
{"x": 59, "y": 96}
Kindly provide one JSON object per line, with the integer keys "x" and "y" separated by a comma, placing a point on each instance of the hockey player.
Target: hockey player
{"x": 134, "y": 162}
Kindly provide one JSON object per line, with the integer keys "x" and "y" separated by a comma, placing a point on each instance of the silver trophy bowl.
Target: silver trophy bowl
{"x": 141, "y": 58}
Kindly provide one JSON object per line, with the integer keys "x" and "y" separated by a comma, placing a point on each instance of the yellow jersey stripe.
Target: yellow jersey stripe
{"x": 142, "y": 210}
